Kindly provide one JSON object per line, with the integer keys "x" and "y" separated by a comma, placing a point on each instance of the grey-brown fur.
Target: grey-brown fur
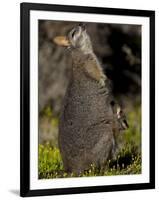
{"x": 86, "y": 125}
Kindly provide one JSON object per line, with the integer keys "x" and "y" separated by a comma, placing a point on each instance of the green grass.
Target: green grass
{"x": 51, "y": 166}
{"x": 127, "y": 161}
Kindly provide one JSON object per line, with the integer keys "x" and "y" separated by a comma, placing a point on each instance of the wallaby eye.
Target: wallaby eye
{"x": 73, "y": 33}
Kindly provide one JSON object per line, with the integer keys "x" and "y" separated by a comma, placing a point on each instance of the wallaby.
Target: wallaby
{"x": 86, "y": 129}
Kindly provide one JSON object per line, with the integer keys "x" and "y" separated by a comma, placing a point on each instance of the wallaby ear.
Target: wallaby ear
{"x": 82, "y": 25}
{"x": 61, "y": 41}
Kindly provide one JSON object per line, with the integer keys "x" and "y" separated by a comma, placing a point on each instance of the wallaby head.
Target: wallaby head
{"x": 77, "y": 38}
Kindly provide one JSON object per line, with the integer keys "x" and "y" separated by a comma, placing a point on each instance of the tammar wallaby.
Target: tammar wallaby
{"x": 89, "y": 116}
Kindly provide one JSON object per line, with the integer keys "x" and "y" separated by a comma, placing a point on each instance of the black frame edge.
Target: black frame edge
{"x": 152, "y": 99}
{"x": 93, "y": 189}
{"x": 24, "y": 102}
{"x": 87, "y": 9}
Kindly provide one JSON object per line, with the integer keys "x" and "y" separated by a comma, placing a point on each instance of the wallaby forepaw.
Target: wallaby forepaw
{"x": 102, "y": 81}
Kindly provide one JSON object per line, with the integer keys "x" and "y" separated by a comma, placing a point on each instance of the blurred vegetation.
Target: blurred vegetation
{"x": 118, "y": 48}
{"x": 48, "y": 127}
{"x": 51, "y": 166}
{"x": 127, "y": 160}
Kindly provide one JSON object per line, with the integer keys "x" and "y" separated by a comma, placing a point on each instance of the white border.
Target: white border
{"x": 86, "y": 181}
